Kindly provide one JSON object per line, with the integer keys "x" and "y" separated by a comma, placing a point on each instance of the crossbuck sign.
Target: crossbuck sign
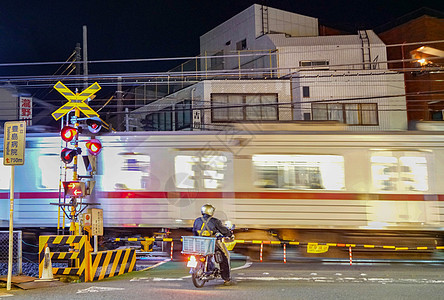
{"x": 75, "y": 100}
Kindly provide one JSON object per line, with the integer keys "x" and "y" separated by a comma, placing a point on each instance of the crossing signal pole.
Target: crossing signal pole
{"x": 78, "y": 188}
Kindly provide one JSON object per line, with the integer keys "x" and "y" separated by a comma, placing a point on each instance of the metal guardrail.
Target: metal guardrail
{"x": 17, "y": 260}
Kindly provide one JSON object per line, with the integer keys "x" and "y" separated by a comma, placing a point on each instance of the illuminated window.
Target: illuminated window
{"x": 126, "y": 171}
{"x": 299, "y": 172}
{"x": 49, "y": 164}
{"x": 399, "y": 171}
{"x": 195, "y": 171}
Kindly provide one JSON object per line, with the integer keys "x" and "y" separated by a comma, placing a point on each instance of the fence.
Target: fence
{"x": 16, "y": 254}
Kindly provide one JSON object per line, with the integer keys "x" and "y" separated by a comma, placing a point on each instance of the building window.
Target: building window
{"x": 244, "y": 107}
{"x": 399, "y": 171}
{"x": 299, "y": 172}
{"x": 183, "y": 115}
{"x": 306, "y": 91}
{"x": 217, "y": 61}
{"x": 348, "y": 113}
{"x": 315, "y": 64}
{"x": 241, "y": 45}
{"x": 159, "y": 121}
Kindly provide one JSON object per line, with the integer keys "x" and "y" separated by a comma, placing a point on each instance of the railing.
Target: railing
{"x": 17, "y": 252}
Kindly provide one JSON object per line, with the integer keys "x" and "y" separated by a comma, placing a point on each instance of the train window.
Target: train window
{"x": 299, "y": 172}
{"x": 200, "y": 171}
{"x": 5, "y": 175}
{"x": 399, "y": 171}
{"x": 128, "y": 171}
{"x": 49, "y": 164}
{"x": 50, "y": 171}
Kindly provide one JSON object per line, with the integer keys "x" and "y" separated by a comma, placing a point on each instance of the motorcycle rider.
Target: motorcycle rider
{"x": 207, "y": 225}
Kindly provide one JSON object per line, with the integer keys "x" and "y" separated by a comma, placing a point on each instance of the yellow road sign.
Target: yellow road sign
{"x": 75, "y": 100}
{"x": 315, "y": 248}
{"x": 14, "y": 143}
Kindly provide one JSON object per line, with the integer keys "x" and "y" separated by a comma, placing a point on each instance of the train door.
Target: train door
{"x": 401, "y": 179}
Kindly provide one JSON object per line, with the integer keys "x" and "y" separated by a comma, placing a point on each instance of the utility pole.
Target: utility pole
{"x": 119, "y": 105}
{"x": 78, "y": 58}
{"x": 85, "y": 57}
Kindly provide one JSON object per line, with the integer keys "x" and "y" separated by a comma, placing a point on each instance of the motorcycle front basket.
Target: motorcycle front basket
{"x": 199, "y": 245}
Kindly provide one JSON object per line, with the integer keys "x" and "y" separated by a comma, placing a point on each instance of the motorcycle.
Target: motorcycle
{"x": 203, "y": 259}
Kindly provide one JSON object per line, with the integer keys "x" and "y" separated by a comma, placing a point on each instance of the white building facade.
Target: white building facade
{"x": 270, "y": 59}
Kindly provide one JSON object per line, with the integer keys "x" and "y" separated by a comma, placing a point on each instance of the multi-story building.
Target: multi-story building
{"x": 270, "y": 65}
{"x": 417, "y": 50}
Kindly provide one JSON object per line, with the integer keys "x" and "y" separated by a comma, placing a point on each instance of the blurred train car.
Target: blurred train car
{"x": 349, "y": 187}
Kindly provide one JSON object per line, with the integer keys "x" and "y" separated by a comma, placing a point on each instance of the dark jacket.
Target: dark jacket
{"x": 214, "y": 225}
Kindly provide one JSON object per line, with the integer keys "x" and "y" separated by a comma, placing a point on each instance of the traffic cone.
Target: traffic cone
{"x": 47, "y": 267}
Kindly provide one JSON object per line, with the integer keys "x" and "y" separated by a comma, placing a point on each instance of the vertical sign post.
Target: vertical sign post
{"x": 13, "y": 155}
{"x": 96, "y": 225}
{"x": 197, "y": 119}
{"x": 25, "y": 110}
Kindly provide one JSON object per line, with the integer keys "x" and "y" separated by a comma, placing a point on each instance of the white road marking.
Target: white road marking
{"x": 139, "y": 278}
{"x": 156, "y": 265}
{"x": 5, "y": 295}
{"x": 346, "y": 279}
{"x": 98, "y": 289}
{"x": 167, "y": 279}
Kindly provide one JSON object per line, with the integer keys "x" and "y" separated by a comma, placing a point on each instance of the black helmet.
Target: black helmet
{"x": 207, "y": 209}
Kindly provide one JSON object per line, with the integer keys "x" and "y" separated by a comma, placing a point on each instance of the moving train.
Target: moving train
{"x": 322, "y": 186}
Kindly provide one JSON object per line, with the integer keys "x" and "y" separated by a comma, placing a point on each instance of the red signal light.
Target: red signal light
{"x": 68, "y": 133}
{"x": 94, "y": 146}
{"x": 94, "y": 124}
{"x": 67, "y": 155}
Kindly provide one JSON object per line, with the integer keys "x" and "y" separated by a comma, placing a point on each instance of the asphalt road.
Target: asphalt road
{"x": 261, "y": 281}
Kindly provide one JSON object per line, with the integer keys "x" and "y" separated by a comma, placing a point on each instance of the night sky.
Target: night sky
{"x": 47, "y": 31}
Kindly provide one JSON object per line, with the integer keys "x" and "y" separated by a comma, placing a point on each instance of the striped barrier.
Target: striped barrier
{"x": 78, "y": 256}
{"x": 112, "y": 263}
{"x": 82, "y": 263}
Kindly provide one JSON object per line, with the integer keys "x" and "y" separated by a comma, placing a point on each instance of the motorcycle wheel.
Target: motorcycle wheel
{"x": 198, "y": 275}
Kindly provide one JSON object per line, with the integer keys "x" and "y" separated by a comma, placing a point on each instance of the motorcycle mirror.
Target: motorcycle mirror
{"x": 229, "y": 225}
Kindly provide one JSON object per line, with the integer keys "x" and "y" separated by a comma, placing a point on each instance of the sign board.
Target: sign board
{"x": 86, "y": 219}
{"x": 75, "y": 100}
{"x": 197, "y": 121}
{"x": 315, "y": 248}
{"x": 25, "y": 110}
{"x": 14, "y": 143}
{"x": 96, "y": 221}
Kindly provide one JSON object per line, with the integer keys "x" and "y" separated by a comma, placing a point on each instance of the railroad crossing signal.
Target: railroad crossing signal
{"x": 74, "y": 188}
{"x": 75, "y": 100}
